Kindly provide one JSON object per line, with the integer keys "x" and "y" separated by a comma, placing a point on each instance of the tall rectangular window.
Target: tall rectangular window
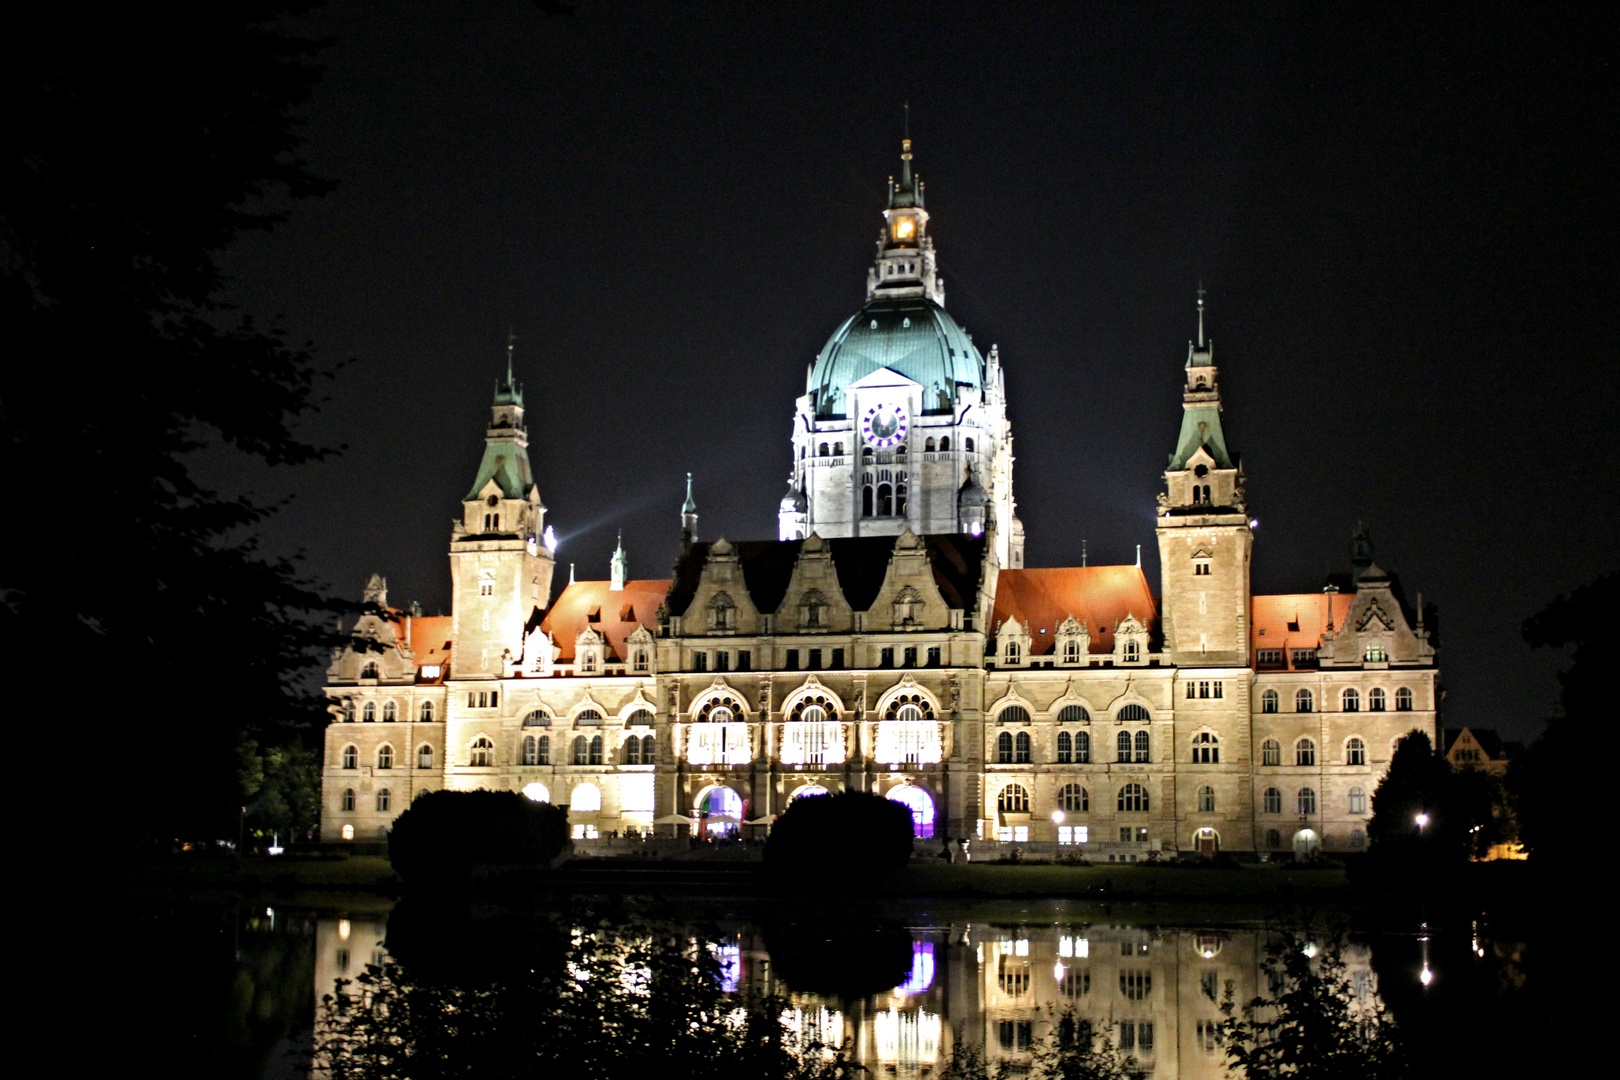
{"x": 815, "y": 659}
{"x": 837, "y": 659}
{"x": 933, "y": 656}
{"x": 722, "y": 660}
{"x": 700, "y": 661}
{"x": 745, "y": 660}
{"x": 886, "y": 658}
{"x": 791, "y": 663}
{"x": 911, "y": 656}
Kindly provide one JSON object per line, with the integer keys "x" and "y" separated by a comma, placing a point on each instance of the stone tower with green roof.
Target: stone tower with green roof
{"x": 1205, "y": 542}
{"x": 903, "y": 423}
{"x": 500, "y": 561}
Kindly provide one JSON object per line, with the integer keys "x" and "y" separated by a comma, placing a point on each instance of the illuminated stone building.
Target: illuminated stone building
{"x": 892, "y": 640}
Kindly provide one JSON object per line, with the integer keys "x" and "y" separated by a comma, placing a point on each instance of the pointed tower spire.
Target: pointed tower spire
{"x": 617, "y": 571}
{"x": 1200, "y": 314}
{"x": 1201, "y": 404}
{"x": 906, "y": 264}
{"x": 689, "y": 517}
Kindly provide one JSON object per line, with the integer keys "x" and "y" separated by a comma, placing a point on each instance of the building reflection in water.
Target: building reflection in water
{"x": 1155, "y": 991}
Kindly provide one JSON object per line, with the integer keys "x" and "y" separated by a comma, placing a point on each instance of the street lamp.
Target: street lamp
{"x": 1057, "y": 819}
{"x": 1422, "y": 819}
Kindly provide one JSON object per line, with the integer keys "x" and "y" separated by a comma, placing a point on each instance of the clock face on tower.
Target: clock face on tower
{"x": 884, "y": 425}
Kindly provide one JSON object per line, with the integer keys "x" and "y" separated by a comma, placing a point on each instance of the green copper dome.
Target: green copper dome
{"x": 912, "y": 336}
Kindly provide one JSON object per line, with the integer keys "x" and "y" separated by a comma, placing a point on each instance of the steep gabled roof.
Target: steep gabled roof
{"x": 430, "y": 641}
{"x": 1294, "y": 620}
{"x": 613, "y": 613}
{"x": 1100, "y": 596}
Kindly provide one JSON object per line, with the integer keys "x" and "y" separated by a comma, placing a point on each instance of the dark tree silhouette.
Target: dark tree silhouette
{"x": 1555, "y": 782}
{"x": 141, "y": 141}
{"x": 443, "y": 836}
{"x": 839, "y": 841}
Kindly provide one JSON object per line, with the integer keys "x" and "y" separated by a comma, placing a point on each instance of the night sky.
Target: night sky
{"x": 1405, "y": 223}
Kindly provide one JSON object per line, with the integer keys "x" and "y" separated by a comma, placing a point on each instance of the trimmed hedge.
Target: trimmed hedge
{"x": 853, "y": 835}
{"x": 444, "y": 835}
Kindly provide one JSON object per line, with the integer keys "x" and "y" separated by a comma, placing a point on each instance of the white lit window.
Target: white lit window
{"x": 1074, "y": 834}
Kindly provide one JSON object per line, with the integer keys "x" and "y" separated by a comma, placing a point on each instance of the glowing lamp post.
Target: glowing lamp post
{"x": 1422, "y": 820}
{"x": 1057, "y": 819}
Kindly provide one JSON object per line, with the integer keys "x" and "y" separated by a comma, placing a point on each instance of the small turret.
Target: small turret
{"x": 617, "y": 566}
{"x": 689, "y": 518}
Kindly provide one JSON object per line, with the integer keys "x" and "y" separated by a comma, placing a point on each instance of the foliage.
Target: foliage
{"x": 1072, "y": 1049}
{"x": 1419, "y": 782}
{"x": 1313, "y": 1025}
{"x": 282, "y": 789}
{"x": 1552, "y": 783}
{"x": 619, "y": 1000}
{"x": 853, "y": 835}
{"x": 443, "y": 835}
{"x": 142, "y": 142}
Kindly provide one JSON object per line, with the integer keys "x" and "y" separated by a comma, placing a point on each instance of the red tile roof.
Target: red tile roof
{"x": 1099, "y": 596}
{"x": 617, "y": 613}
{"x": 1294, "y": 620}
{"x": 430, "y": 641}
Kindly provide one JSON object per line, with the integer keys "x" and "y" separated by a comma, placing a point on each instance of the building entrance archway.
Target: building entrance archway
{"x": 719, "y": 811}
{"x": 921, "y": 805}
{"x": 1207, "y": 841}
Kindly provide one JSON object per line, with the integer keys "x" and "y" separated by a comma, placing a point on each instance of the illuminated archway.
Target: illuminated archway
{"x": 921, "y": 806}
{"x": 719, "y": 811}
{"x": 807, "y": 789}
{"x": 537, "y": 791}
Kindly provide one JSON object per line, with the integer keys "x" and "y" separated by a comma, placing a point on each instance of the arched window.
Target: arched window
{"x": 1071, "y": 651}
{"x": 1013, "y": 800}
{"x": 1142, "y": 747}
{"x": 537, "y": 791}
{"x": 347, "y": 710}
{"x": 838, "y": 449}
{"x": 369, "y": 671}
{"x": 1206, "y": 800}
{"x": 531, "y": 751}
{"x": 929, "y": 445}
{"x": 537, "y": 718}
{"x": 1133, "y": 799}
{"x": 900, "y": 491}
{"x": 1305, "y": 752}
{"x": 1271, "y": 801}
{"x": 390, "y": 713}
{"x": 1271, "y": 752}
{"x": 385, "y": 756}
{"x": 1206, "y": 749}
{"x": 647, "y": 747}
{"x": 385, "y": 800}
{"x": 351, "y": 757}
{"x": 483, "y": 753}
{"x": 1376, "y": 700}
{"x": 1065, "y": 748}
{"x": 1074, "y": 799}
{"x": 1015, "y": 653}
{"x": 1358, "y": 801}
{"x": 1015, "y": 714}
{"x": 1122, "y": 744}
{"x": 348, "y": 799}
{"x": 639, "y": 718}
{"x": 1355, "y": 752}
{"x": 969, "y": 445}
{"x": 542, "y": 754}
{"x": 866, "y": 501}
{"x": 588, "y": 718}
{"x": 1303, "y": 700}
{"x": 368, "y": 714}
{"x": 1082, "y": 748}
{"x": 1268, "y": 701}
{"x": 1004, "y": 748}
{"x": 587, "y": 799}
{"x": 1134, "y": 714}
{"x": 885, "y": 500}
{"x": 427, "y": 712}
{"x": 631, "y": 754}
{"x": 1403, "y": 700}
{"x": 1025, "y": 750}
{"x": 1273, "y": 837}
{"x": 596, "y": 750}
{"x": 944, "y": 443}
{"x": 825, "y": 450}
{"x": 1352, "y": 700}
{"x": 582, "y": 750}
{"x": 424, "y": 756}
{"x": 1307, "y": 800}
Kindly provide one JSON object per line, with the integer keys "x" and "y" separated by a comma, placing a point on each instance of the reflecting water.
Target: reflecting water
{"x": 903, "y": 989}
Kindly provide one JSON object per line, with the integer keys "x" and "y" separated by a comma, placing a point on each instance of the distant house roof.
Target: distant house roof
{"x": 1487, "y": 739}
{"x": 1294, "y": 621}
{"x": 861, "y": 563}
{"x": 1100, "y": 596}
{"x": 613, "y": 613}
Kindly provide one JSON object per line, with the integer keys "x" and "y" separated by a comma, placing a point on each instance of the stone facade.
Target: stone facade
{"x": 908, "y": 653}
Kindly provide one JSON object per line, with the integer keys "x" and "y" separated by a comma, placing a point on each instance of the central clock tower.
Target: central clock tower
{"x": 903, "y": 424}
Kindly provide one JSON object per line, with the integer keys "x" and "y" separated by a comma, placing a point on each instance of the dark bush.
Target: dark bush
{"x": 445, "y": 835}
{"x": 853, "y": 836}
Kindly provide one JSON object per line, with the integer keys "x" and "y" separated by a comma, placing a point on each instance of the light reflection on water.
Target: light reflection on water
{"x": 1156, "y": 990}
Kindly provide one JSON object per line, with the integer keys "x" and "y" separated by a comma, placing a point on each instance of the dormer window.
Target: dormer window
{"x": 369, "y": 671}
